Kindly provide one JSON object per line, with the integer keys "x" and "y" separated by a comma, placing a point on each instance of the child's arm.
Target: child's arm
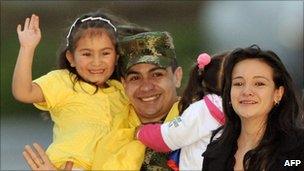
{"x": 151, "y": 136}
{"x": 194, "y": 124}
{"x": 23, "y": 88}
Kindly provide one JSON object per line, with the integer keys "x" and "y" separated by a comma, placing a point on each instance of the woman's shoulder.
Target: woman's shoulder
{"x": 215, "y": 144}
{"x": 295, "y": 137}
{"x": 291, "y": 148}
{"x": 219, "y": 155}
{"x": 293, "y": 143}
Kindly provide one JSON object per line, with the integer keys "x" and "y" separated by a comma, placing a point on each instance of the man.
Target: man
{"x": 150, "y": 76}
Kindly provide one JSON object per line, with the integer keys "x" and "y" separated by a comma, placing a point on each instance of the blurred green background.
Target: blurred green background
{"x": 196, "y": 26}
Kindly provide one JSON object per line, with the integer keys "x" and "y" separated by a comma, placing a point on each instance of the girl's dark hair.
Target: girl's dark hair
{"x": 78, "y": 29}
{"x": 284, "y": 120}
{"x": 204, "y": 82}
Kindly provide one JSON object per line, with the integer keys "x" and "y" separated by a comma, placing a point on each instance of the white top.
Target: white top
{"x": 192, "y": 132}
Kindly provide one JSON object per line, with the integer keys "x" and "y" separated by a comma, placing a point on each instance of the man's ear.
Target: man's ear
{"x": 178, "y": 75}
{"x": 70, "y": 58}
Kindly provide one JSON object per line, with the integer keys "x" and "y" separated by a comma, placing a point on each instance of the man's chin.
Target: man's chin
{"x": 148, "y": 118}
{"x": 149, "y": 113}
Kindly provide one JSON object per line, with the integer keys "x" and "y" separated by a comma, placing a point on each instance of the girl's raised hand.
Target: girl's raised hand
{"x": 31, "y": 34}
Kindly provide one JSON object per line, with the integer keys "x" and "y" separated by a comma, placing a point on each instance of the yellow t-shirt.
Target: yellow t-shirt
{"x": 119, "y": 150}
{"x": 81, "y": 118}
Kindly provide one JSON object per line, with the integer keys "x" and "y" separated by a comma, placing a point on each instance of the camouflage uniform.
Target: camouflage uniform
{"x": 155, "y": 161}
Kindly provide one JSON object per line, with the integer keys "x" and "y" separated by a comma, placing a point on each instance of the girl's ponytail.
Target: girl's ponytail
{"x": 205, "y": 78}
{"x": 195, "y": 89}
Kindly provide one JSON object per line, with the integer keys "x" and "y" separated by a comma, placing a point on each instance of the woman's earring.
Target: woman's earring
{"x": 276, "y": 103}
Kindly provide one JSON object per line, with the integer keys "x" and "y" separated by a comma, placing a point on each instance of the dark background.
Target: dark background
{"x": 196, "y": 26}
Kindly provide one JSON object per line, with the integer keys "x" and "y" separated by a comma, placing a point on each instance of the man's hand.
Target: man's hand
{"x": 38, "y": 160}
{"x": 30, "y": 35}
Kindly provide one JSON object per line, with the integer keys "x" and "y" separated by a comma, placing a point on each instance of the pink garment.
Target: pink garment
{"x": 150, "y": 135}
{"x": 215, "y": 111}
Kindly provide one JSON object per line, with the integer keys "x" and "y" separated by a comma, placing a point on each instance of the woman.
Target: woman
{"x": 264, "y": 123}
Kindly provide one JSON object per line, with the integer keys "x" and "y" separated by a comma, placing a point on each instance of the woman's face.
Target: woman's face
{"x": 253, "y": 92}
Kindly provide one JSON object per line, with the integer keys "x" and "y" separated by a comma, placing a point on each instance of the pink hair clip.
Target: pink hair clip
{"x": 203, "y": 60}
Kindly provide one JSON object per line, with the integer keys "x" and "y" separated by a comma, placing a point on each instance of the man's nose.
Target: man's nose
{"x": 147, "y": 85}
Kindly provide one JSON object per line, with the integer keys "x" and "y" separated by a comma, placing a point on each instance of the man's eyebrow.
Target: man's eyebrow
{"x": 131, "y": 72}
{"x": 157, "y": 68}
{"x": 151, "y": 70}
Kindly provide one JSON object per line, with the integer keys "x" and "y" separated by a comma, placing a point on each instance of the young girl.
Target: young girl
{"x": 80, "y": 97}
{"x": 201, "y": 106}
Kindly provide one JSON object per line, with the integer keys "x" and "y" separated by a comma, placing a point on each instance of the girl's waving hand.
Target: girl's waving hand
{"x": 31, "y": 34}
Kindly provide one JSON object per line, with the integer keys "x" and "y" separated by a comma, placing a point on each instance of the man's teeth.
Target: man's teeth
{"x": 147, "y": 99}
{"x": 248, "y": 102}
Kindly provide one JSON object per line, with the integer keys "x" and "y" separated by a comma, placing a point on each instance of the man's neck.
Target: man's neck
{"x": 159, "y": 119}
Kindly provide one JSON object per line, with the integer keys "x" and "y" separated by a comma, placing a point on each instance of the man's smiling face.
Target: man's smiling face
{"x": 152, "y": 90}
